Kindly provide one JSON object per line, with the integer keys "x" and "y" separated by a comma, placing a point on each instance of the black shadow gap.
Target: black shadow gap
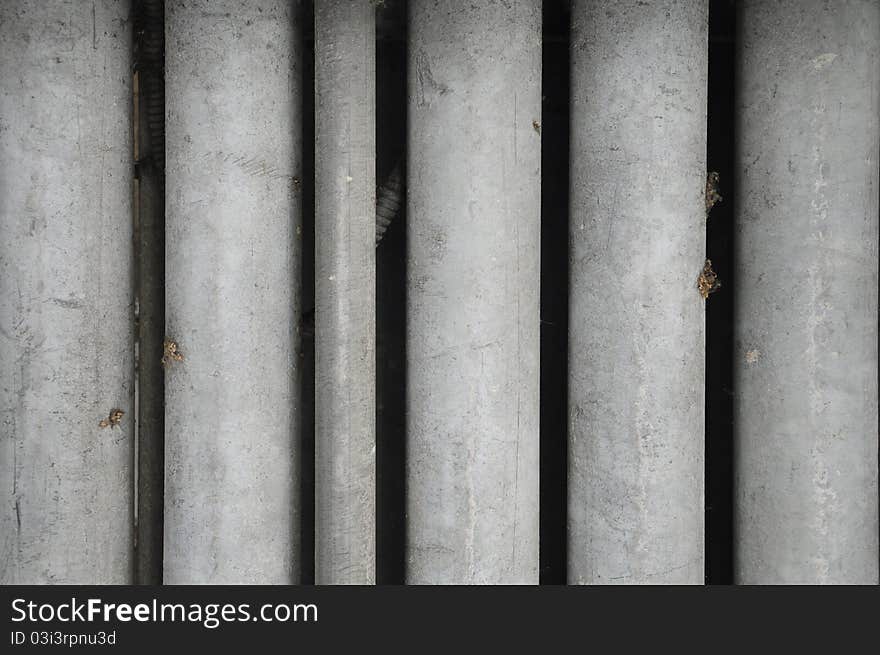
{"x": 554, "y": 292}
{"x": 391, "y": 125}
{"x": 719, "y": 306}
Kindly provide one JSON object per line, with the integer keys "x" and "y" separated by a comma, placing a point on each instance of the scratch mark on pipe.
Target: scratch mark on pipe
{"x": 426, "y": 77}
{"x": 514, "y": 128}
{"x": 67, "y": 303}
{"x": 253, "y": 166}
{"x": 823, "y": 60}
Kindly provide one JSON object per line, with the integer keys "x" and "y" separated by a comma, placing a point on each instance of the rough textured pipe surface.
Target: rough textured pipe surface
{"x": 232, "y": 300}
{"x": 66, "y": 295}
{"x": 637, "y": 244}
{"x": 473, "y": 292}
{"x": 345, "y": 292}
{"x": 806, "y": 282}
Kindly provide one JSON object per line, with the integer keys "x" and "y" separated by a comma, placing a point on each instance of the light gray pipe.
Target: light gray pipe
{"x": 636, "y": 325}
{"x": 233, "y": 218}
{"x": 66, "y": 294}
{"x": 473, "y": 290}
{"x": 805, "y": 410}
{"x": 345, "y": 291}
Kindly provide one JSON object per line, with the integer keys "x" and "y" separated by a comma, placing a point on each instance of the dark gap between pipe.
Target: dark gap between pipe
{"x": 554, "y": 293}
{"x": 307, "y": 301}
{"x": 149, "y": 134}
{"x": 391, "y": 127}
{"x": 719, "y": 306}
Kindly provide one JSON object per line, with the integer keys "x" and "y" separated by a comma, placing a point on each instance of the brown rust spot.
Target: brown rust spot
{"x": 708, "y": 281}
{"x": 537, "y": 126}
{"x": 113, "y": 419}
{"x": 171, "y": 352}
{"x": 712, "y": 195}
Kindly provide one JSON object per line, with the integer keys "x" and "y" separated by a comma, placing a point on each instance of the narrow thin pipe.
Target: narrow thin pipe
{"x": 346, "y": 233}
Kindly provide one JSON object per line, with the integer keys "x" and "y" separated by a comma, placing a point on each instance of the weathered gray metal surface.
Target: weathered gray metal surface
{"x": 473, "y": 292}
{"x": 345, "y": 292}
{"x": 637, "y": 244}
{"x": 232, "y": 298}
{"x": 806, "y": 292}
{"x": 66, "y": 296}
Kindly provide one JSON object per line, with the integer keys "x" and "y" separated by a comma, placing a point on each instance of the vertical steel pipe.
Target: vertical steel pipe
{"x": 805, "y": 362}
{"x": 636, "y": 326}
{"x": 345, "y": 292}
{"x": 232, "y": 300}
{"x": 66, "y": 295}
{"x": 473, "y": 292}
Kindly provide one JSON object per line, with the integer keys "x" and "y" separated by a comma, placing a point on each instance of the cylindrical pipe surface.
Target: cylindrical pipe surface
{"x": 232, "y": 300}
{"x": 345, "y": 292}
{"x": 66, "y": 301}
{"x": 805, "y": 409}
{"x": 473, "y": 292}
{"x": 637, "y": 244}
